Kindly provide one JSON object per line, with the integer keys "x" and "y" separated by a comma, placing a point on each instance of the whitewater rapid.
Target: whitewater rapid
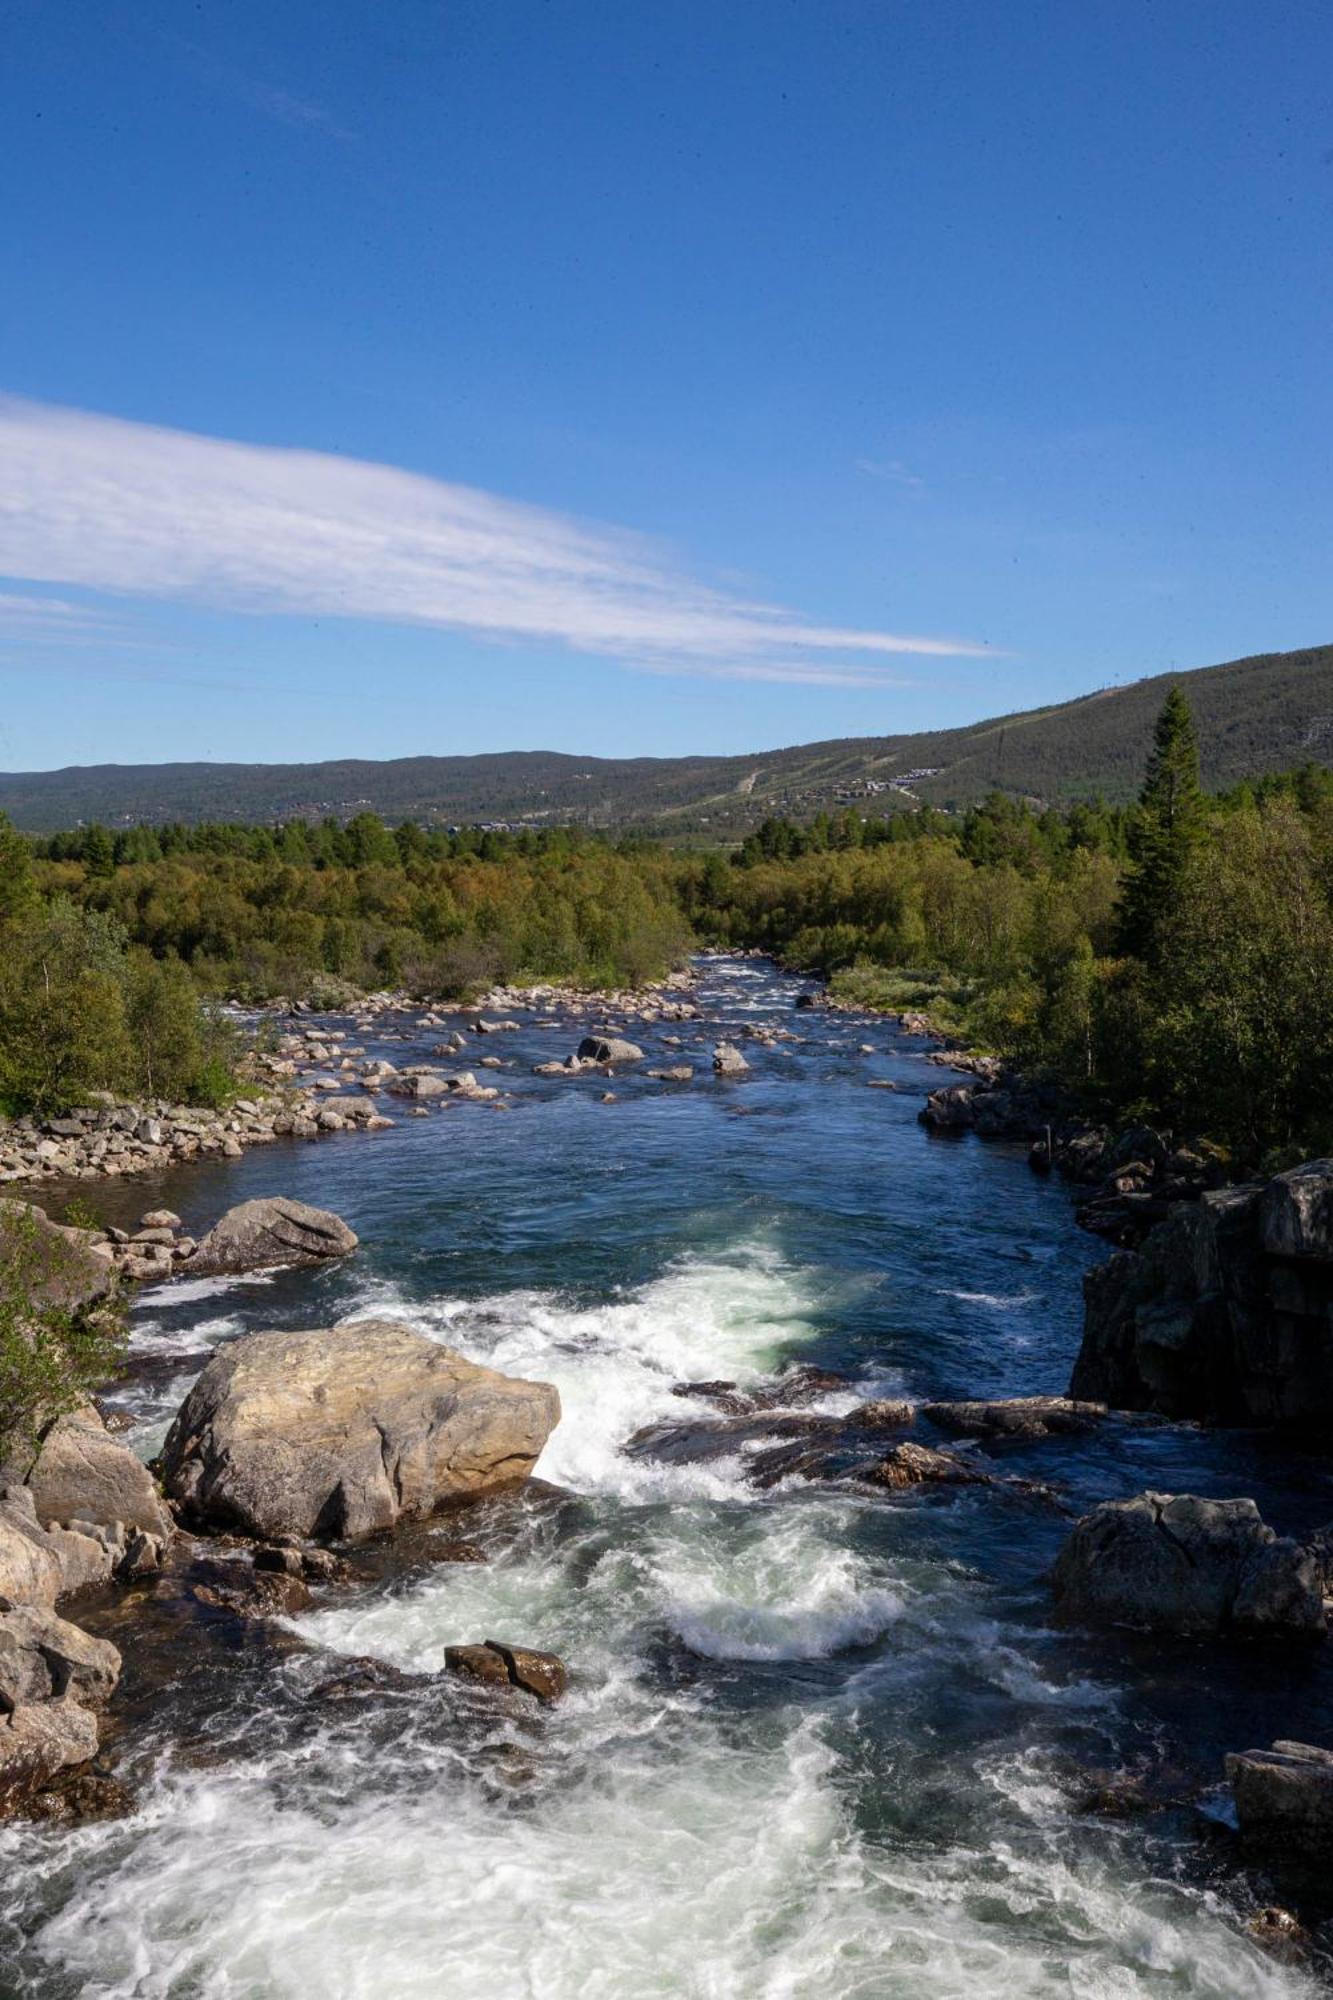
{"x": 657, "y": 1834}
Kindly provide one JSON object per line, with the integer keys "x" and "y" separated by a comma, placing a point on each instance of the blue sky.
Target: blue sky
{"x": 642, "y": 379}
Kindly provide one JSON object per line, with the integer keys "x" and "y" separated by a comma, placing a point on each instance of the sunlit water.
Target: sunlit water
{"x": 816, "y": 1745}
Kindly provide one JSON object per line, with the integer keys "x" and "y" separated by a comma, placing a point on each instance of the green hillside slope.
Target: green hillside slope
{"x": 1255, "y": 715}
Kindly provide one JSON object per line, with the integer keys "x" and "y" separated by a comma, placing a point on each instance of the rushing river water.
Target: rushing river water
{"x": 818, "y": 1746}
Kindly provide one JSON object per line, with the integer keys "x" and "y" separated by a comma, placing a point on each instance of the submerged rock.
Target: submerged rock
{"x": 1175, "y": 1563}
{"x": 276, "y": 1230}
{"x": 342, "y": 1431}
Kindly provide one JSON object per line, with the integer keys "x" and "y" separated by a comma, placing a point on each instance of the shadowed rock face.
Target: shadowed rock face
{"x": 343, "y": 1431}
{"x": 1225, "y": 1312}
{"x": 259, "y": 1234}
{"x": 1175, "y": 1563}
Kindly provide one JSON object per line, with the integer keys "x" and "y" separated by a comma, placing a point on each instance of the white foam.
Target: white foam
{"x": 734, "y": 1316}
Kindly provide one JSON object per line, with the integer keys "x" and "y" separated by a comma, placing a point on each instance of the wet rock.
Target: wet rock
{"x": 1175, "y": 1563}
{"x": 37, "y": 1741}
{"x": 607, "y": 1049}
{"x": 1280, "y": 1934}
{"x": 457, "y": 1552}
{"x": 494, "y": 1664}
{"x": 728, "y": 1060}
{"x": 340, "y": 1432}
{"x": 920, "y": 1465}
{"x": 78, "y": 1797}
{"x": 1015, "y": 1417}
{"x": 259, "y": 1234}
{"x": 882, "y": 1414}
{"x": 1284, "y": 1795}
{"x": 675, "y": 1073}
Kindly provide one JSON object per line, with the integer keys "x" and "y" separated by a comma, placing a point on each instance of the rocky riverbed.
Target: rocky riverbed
{"x": 890, "y": 1666}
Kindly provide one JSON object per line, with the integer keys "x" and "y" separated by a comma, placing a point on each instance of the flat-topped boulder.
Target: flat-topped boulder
{"x": 1015, "y": 1417}
{"x": 343, "y": 1431}
{"x": 1176, "y": 1563}
{"x": 1284, "y": 1795}
{"x": 257, "y": 1235}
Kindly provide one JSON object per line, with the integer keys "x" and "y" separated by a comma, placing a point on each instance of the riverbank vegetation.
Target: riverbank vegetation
{"x": 1169, "y": 959}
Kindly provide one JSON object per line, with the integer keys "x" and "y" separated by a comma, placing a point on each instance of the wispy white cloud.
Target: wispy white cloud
{"x": 891, "y": 469}
{"x": 55, "y": 618}
{"x": 143, "y": 512}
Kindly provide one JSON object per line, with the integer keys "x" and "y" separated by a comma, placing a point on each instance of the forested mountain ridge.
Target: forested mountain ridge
{"x": 1253, "y": 716}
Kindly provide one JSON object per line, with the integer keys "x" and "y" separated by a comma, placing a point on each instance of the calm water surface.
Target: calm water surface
{"x": 816, "y": 1745}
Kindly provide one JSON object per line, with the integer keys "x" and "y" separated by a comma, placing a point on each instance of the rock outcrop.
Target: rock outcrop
{"x": 1175, "y": 1563}
{"x": 343, "y": 1431}
{"x": 274, "y": 1231}
{"x": 1284, "y": 1796}
{"x": 1226, "y": 1311}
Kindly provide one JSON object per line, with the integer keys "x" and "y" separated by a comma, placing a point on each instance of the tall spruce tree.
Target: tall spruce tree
{"x": 1165, "y": 828}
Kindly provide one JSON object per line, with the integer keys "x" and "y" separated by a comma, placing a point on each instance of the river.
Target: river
{"x": 816, "y": 1744}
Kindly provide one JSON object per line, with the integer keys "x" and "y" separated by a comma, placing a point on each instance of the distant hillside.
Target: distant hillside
{"x": 1256, "y": 715}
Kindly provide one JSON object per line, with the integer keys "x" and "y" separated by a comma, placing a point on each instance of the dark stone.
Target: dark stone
{"x": 1177, "y": 1563}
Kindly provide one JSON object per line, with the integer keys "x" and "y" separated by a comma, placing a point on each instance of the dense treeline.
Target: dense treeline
{"x": 85, "y": 1006}
{"x": 260, "y": 912}
{"x": 1171, "y": 959}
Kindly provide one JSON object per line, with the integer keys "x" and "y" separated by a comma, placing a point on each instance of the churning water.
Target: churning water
{"x": 817, "y": 1747}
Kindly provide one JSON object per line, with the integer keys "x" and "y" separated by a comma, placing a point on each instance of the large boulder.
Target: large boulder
{"x": 1176, "y": 1563}
{"x": 276, "y": 1230}
{"x": 1225, "y": 1312}
{"x": 343, "y": 1431}
{"x": 728, "y": 1060}
{"x": 608, "y": 1049}
{"x": 1284, "y": 1796}
{"x": 82, "y": 1473}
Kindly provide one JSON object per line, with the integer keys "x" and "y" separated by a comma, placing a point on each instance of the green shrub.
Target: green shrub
{"x": 53, "y": 1350}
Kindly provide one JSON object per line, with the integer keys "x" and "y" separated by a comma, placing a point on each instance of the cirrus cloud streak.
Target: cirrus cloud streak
{"x": 143, "y": 512}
